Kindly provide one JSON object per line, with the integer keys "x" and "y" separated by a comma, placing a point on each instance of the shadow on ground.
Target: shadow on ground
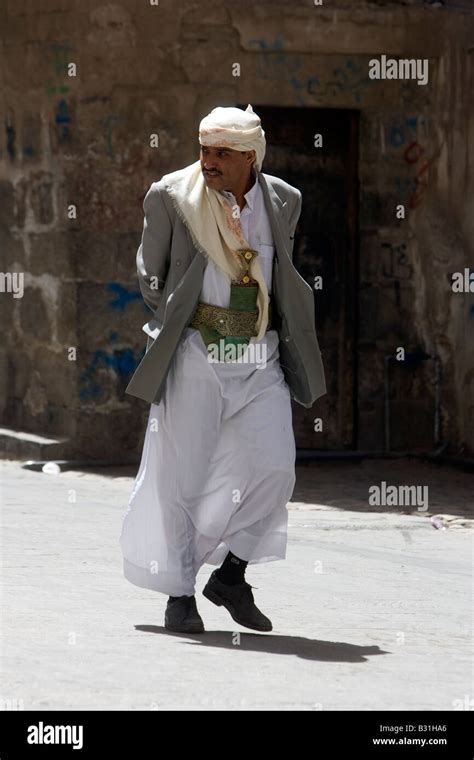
{"x": 307, "y": 649}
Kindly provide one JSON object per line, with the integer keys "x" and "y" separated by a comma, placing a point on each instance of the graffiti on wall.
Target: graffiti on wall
{"x": 62, "y": 118}
{"x": 404, "y": 140}
{"x": 61, "y": 56}
{"x": 395, "y": 261}
{"x": 123, "y": 296}
{"x": 402, "y": 129}
{"x": 350, "y": 78}
{"x": 121, "y": 360}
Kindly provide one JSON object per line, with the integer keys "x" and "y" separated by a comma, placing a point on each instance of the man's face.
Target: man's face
{"x": 225, "y": 168}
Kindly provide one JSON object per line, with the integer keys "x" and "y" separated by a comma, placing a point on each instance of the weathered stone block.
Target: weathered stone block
{"x": 7, "y": 200}
{"x": 41, "y": 197}
{"x": 57, "y": 374}
{"x": 31, "y": 137}
{"x": 34, "y": 314}
{"x": 50, "y": 253}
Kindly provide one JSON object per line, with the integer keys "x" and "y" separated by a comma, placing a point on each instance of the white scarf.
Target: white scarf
{"x": 208, "y": 214}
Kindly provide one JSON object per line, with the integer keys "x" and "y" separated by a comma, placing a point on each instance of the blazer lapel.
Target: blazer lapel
{"x": 274, "y": 206}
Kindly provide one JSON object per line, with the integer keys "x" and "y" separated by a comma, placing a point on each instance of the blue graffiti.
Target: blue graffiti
{"x": 402, "y": 129}
{"x": 274, "y": 64}
{"x": 277, "y": 44}
{"x": 350, "y": 79}
{"x": 123, "y": 296}
{"x": 396, "y": 137}
{"x": 405, "y": 186}
{"x": 412, "y": 122}
{"x": 122, "y": 361}
{"x": 62, "y": 118}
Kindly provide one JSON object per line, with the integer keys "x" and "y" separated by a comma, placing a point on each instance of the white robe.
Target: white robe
{"x": 218, "y": 463}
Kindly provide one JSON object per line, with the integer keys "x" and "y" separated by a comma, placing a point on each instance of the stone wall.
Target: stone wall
{"x": 84, "y": 140}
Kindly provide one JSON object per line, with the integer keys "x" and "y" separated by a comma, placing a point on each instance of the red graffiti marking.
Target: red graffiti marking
{"x": 421, "y": 183}
{"x": 413, "y": 153}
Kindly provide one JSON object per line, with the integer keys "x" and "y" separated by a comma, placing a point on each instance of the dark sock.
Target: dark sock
{"x": 232, "y": 570}
{"x": 174, "y": 598}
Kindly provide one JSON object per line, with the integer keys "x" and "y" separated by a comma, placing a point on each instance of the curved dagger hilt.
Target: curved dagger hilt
{"x": 247, "y": 255}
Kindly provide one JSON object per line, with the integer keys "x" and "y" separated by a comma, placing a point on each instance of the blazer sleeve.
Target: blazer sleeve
{"x": 153, "y": 255}
{"x": 293, "y": 221}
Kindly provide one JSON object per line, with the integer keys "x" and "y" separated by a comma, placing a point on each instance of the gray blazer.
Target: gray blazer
{"x": 168, "y": 255}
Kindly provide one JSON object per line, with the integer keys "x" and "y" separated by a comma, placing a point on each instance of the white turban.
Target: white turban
{"x": 236, "y": 129}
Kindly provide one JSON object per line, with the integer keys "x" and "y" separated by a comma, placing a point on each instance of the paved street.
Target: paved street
{"x": 371, "y": 609}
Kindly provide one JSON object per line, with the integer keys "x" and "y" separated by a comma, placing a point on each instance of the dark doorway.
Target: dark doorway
{"x": 325, "y": 246}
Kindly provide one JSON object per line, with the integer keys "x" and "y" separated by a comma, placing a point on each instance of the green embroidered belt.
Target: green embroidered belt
{"x": 219, "y": 322}
{"x": 237, "y": 324}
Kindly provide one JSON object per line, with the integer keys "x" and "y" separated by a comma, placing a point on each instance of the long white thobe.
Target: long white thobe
{"x": 218, "y": 461}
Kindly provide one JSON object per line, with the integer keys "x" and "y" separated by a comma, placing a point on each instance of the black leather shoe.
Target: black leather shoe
{"x": 238, "y": 601}
{"x": 181, "y": 615}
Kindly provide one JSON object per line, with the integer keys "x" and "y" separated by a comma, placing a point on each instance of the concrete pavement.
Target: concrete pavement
{"x": 371, "y": 609}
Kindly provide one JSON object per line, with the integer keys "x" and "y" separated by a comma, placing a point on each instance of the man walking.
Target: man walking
{"x": 231, "y": 341}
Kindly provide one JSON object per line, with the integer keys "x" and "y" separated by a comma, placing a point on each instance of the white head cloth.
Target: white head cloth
{"x": 236, "y": 129}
